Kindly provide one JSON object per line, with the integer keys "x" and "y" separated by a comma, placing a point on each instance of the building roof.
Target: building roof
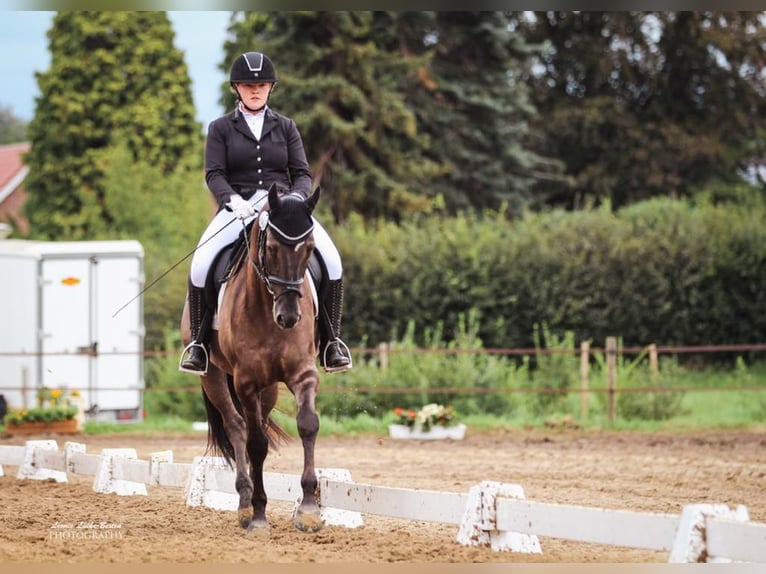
{"x": 12, "y": 168}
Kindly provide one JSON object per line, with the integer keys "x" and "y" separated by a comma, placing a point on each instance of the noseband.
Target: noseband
{"x": 288, "y": 285}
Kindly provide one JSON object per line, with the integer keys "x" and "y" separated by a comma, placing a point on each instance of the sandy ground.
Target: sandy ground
{"x": 632, "y": 471}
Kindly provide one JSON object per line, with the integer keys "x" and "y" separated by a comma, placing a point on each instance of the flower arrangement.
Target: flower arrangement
{"x": 425, "y": 419}
{"x": 52, "y": 405}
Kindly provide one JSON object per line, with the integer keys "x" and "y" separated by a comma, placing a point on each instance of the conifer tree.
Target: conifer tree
{"x": 113, "y": 76}
{"x": 471, "y": 98}
{"x": 343, "y": 91}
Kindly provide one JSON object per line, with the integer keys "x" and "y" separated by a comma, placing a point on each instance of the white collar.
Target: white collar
{"x": 245, "y": 112}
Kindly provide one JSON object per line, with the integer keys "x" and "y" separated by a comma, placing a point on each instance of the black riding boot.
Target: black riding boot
{"x": 196, "y": 352}
{"x": 334, "y": 355}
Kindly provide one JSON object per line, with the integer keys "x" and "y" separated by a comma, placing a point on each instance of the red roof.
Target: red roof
{"x": 11, "y": 166}
{"x": 12, "y": 194}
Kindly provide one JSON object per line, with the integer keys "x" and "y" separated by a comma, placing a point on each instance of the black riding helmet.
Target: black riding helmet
{"x": 252, "y": 68}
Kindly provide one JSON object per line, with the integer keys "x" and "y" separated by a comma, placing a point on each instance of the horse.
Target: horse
{"x": 266, "y": 335}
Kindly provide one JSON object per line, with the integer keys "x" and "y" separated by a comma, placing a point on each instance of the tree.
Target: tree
{"x": 12, "y": 128}
{"x": 139, "y": 196}
{"x": 361, "y": 138}
{"x": 469, "y": 95}
{"x": 644, "y": 104}
{"x": 114, "y": 76}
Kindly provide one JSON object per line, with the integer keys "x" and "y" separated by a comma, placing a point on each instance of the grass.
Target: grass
{"x": 707, "y": 400}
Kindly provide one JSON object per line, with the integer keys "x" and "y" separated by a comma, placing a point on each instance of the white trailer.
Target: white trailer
{"x": 58, "y": 327}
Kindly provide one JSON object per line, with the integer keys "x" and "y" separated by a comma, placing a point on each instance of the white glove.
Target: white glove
{"x": 240, "y": 207}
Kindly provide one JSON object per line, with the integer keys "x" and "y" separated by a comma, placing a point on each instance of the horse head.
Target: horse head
{"x": 285, "y": 243}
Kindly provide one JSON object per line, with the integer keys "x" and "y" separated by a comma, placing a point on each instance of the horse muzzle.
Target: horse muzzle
{"x": 286, "y": 309}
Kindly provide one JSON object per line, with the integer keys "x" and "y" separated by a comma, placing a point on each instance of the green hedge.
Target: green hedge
{"x": 663, "y": 271}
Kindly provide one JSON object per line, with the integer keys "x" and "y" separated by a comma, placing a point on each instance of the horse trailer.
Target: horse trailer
{"x": 60, "y": 329}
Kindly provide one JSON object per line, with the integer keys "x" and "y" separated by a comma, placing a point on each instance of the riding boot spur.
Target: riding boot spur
{"x": 334, "y": 354}
{"x": 196, "y": 353}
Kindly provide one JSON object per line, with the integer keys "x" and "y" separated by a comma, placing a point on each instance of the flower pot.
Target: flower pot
{"x": 456, "y": 432}
{"x": 40, "y": 427}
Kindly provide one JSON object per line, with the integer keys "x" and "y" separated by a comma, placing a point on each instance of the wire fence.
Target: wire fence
{"x": 600, "y": 369}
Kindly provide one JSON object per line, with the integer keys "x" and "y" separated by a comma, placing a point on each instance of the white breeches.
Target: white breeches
{"x": 213, "y": 241}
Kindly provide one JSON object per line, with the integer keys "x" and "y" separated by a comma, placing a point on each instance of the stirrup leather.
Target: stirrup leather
{"x": 327, "y": 369}
{"x": 186, "y": 351}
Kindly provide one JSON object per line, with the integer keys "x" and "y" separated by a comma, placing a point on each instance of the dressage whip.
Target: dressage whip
{"x": 184, "y": 258}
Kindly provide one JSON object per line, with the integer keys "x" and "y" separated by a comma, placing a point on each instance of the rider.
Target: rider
{"x": 245, "y": 152}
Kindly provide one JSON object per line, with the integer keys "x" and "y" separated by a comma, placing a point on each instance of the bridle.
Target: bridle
{"x": 264, "y": 225}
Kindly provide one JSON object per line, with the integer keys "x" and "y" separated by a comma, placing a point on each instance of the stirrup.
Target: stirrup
{"x": 336, "y": 369}
{"x": 186, "y": 350}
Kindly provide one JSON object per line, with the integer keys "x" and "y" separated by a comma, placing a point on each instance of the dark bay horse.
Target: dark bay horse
{"x": 266, "y": 335}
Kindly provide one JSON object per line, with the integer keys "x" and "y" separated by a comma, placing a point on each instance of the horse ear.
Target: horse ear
{"x": 273, "y": 196}
{"x": 311, "y": 201}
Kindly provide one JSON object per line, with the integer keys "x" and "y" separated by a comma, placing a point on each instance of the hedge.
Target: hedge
{"x": 663, "y": 271}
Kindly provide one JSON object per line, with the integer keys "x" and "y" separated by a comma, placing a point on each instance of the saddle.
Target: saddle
{"x": 230, "y": 260}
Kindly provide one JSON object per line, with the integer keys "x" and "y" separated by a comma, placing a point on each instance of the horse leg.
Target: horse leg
{"x": 307, "y": 516}
{"x": 257, "y": 449}
{"x": 216, "y": 389}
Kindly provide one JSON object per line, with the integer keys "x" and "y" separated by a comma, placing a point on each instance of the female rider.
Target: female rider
{"x": 245, "y": 152}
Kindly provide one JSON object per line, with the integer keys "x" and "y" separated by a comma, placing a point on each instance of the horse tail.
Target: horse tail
{"x": 218, "y": 444}
{"x": 275, "y": 433}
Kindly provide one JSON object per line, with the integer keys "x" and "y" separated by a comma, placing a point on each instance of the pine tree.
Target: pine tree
{"x": 471, "y": 101}
{"x": 343, "y": 91}
{"x": 114, "y": 76}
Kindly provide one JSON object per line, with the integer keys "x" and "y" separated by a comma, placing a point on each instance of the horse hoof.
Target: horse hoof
{"x": 245, "y": 516}
{"x": 308, "y": 521}
{"x": 258, "y": 530}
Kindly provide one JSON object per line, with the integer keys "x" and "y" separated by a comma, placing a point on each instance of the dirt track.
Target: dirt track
{"x": 641, "y": 472}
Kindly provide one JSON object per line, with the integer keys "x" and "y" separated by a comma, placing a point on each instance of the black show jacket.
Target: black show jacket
{"x": 235, "y": 162}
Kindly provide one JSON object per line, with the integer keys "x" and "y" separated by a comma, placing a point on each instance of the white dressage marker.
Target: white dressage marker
{"x": 690, "y": 544}
{"x": 203, "y": 489}
{"x": 31, "y": 468}
{"x": 479, "y": 524}
{"x": 114, "y": 473}
{"x": 335, "y": 516}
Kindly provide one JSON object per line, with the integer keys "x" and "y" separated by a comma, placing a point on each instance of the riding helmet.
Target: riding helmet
{"x": 252, "y": 68}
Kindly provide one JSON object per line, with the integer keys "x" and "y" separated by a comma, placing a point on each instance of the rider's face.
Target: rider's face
{"x": 254, "y": 95}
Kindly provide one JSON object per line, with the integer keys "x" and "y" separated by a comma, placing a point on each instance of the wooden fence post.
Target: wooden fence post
{"x": 611, "y": 376}
{"x": 383, "y": 356}
{"x": 584, "y": 365}
{"x": 653, "y": 363}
